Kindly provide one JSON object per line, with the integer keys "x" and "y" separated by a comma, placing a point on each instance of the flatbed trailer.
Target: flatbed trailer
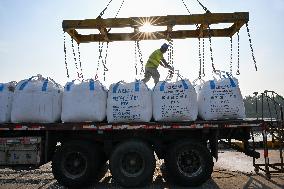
{"x": 78, "y": 151}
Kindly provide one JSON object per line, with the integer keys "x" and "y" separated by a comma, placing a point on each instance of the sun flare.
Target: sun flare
{"x": 147, "y": 27}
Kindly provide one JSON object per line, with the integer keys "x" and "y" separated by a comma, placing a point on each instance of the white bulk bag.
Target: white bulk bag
{"x": 129, "y": 102}
{"x": 220, "y": 99}
{"x": 85, "y": 101}
{"x": 6, "y": 97}
{"x": 174, "y": 101}
{"x": 38, "y": 100}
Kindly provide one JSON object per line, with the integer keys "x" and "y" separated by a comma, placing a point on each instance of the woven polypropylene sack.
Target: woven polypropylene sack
{"x": 84, "y": 101}
{"x": 6, "y": 97}
{"x": 220, "y": 99}
{"x": 174, "y": 101}
{"x": 37, "y": 100}
{"x": 129, "y": 102}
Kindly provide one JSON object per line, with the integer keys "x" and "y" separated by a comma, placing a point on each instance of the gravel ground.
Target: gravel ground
{"x": 233, "y": 170}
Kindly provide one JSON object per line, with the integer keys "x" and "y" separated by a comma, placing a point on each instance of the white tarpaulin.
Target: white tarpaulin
{"x": 37, "y": 100}
{"x": 85, "y": 101}
{"x": 129, "y": 102}
{"x": 220, "y": 99}
{"x": 6, "y": 97}
{"x": 175, "y": 101}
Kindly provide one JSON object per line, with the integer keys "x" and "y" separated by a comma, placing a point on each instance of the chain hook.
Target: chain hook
{"x": 238, "y": 72}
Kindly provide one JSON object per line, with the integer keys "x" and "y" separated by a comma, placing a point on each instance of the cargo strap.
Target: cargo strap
{"x": 91, "y": 85}
{"x": 43, "y": 88}
{"x": 136, "y": 87}
{"x": 1, "y": 87}
{"x": 213, "y": 86}
{"x": 185, "y": 86}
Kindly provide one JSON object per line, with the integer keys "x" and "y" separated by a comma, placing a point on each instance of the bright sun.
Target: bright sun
{"x": 147, "y": 27}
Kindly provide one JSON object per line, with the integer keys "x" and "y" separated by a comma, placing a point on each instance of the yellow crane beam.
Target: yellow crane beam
{"x": 202, "y": 21}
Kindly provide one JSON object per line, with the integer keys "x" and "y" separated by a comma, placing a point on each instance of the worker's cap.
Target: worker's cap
{"x": 165, "y": 47}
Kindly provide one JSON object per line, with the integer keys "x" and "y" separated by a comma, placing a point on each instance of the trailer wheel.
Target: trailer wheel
{"x": 76, "y": 164}
{"x": 132, "y": 164}
{"x": 189, "y": 163}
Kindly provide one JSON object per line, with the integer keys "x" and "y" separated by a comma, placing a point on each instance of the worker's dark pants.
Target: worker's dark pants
{"x": 151, "y": 72}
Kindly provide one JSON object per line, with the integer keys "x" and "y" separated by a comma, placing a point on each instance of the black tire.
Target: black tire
{"x": 189, "y": 163}
{"x": 132, "y": 164}
{"x": 76, "y": 164}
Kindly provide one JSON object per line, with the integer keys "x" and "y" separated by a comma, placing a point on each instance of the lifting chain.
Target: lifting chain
{"x": 238, "y": 64}
{"x": 171, "y": 52}
{"x": 79, "y": 58}
{"x": 75, "y": 59}
{"x": 101, "y": 45}
{"x": 231, "y": 55}
{"x": 250, "y": 44}
{"x": 204, "y": 8}
{"x": 135, "y": 53}
{"x": 103, "y": 11}
{"x": 203, "y": 57}
{"x": 199, "y": 57}
{"x": 210, "y": 48}
{"x": 117, "y": 12}
{"x": 65, "y": 55}
{"x": 171, "y": 56}
{"x": 119, "y": 8}
{"x": 188, "y": 11}
{"x": 185, "y": 6}
{"x": 105, "y": 61}
{"x": 140, "y": 58}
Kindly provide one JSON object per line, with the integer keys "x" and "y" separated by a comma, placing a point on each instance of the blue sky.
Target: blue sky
{"x": 31, "y": 41}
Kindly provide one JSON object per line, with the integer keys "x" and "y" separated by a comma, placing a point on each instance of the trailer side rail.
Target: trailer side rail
{"x": 134, "y": 126}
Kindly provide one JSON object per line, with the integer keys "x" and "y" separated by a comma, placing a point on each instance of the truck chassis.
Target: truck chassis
{"x": 78, "y": 151}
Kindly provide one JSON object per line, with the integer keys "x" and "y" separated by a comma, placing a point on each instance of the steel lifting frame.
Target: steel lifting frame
{"x": 201, "y": 21}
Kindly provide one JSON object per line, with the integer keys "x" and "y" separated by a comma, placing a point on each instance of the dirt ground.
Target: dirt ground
{"x": 233, "y": 170}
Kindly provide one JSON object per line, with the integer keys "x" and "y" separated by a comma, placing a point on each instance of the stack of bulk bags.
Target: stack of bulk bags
{"x": 129, "y": 102}
{"x": 176, "y": 101}
{"x": 37, "y": 99}
{"x": 85, "y": 101}
{"x": 220, "y": 99}
{"x": 6, "y": 97}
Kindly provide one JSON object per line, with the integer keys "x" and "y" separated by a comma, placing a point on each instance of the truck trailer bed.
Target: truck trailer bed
{"x": 199, "y": 124}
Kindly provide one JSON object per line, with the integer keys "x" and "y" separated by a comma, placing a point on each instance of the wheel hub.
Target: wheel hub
{"x": 189, "y": 162}
{"x": 132, "y": 164}
{"x": 74, "y": 165}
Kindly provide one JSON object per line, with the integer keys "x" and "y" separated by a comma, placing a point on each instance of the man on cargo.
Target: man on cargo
{"x": 156, "y": 59}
